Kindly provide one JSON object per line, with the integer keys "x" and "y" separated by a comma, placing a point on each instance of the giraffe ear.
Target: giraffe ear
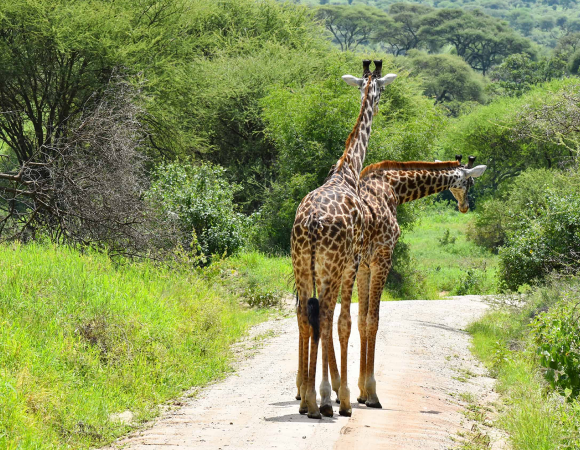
{"x": 353, "y": 81}
{"x": 387, "y": 79}
{"x": 477, "y": 171}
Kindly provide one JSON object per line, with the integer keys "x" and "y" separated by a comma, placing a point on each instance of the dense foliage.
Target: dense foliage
{"x": 200, "y": 200}
{"x": 543, "y": 22}
{"x": 530, "y": 344}
{"x": 542, "y": 236}
{"x": 514, "y": 134}
{"x": 557, "y": 335}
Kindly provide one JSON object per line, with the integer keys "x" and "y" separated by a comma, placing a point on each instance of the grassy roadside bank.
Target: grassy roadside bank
{"x": 443, "y": 260}
{"x": 535, "y": 414}
{"x": 82, "y": 339}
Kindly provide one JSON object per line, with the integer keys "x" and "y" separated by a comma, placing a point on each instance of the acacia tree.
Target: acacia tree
{"x": 403, "y": 34}
{"x": 56, "y": 58}
{"x": 480, "y": 40}
{"x": 353, "y": 25}
{"x": 518, "y": 74}
{"x": 72, "y": 132}
{"x": 447, "y": 77}
{"x": 86, "y": 187}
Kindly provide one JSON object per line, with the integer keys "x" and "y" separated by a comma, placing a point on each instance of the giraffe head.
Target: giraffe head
{"x": 463, "y": 181}
{"x": 373, "y": 80}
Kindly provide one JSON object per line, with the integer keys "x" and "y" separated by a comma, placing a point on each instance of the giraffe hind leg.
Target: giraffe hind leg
{"x": 363, "y": 306}
{"x": 379, "y": 271}
{"x": 344, "y": 328}
{"x": 299, "y": 375}
{"x": 328, "y": 299}
{"x": 334, "y": 375}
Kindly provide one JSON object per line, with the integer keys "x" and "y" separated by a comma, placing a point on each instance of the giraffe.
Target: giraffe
{"x": 326, "y": 241}
{"x": 384, "y": 186}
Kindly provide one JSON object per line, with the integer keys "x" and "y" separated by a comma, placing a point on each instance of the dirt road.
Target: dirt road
{"x": 424, "y": 370}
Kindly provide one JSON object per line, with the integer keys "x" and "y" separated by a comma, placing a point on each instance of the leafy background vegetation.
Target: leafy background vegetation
{"x": 153, "y": 154}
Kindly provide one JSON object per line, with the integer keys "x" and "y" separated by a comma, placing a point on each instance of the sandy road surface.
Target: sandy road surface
{"x": 423, "y": 364}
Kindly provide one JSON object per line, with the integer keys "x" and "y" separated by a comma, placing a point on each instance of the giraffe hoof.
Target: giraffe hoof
{"x": 303, "y": 410}
{"x": 374, "y": 405}
{"x": 314, "y": 415}
{"x": 326, "y": 410}
{"x": 361, "y": 400}
{"x": 298, "y": 397}
{"x": 345, "y": 412}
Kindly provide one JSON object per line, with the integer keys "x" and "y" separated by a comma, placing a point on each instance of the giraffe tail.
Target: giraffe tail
{"x": 313, "y": 305}
{"x": 313, "y": 309}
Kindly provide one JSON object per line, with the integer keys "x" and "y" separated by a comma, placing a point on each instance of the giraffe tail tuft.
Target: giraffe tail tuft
{"x": 313, "y": 308}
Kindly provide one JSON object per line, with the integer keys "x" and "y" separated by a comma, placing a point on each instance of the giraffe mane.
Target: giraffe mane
{"x": 409, "y": 165}
{"x": 354, "y": 133}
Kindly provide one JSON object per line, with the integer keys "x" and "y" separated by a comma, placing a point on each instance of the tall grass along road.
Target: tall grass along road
{"x": 88, "y": 350}
{"x": 426, "y": 378}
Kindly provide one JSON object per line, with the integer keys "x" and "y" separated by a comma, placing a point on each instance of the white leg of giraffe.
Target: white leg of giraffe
{"x": 363, "y": 278}
{"x": 344, "y": 327}
{"x": 329, "y": 297}
{"x": 325, "y": 388}
{"x": 334, "y": 375}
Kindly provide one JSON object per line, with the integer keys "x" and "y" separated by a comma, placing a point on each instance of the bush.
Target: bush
{"x": 511, "y": 135}
{"x": 534, "y": 226}
{"x": 523, "y": 200}
{"x": 471, "y": 282}
{"x": 557, "y": 334}
{"x": 200, "y": 199}
{"x": 535, "y": 417}
{"x": 488, "y": 229}
{"x": 546, "y": 241}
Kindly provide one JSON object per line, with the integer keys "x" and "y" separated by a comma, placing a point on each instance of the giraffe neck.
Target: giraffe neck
{"x": 353, "y": 158}
{"x": 411, "y": 185}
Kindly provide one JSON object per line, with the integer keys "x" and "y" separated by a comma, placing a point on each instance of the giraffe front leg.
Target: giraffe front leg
{"x": 303, "y": 356}
{"x": 299, "y": 375}
{"x": 379, "y": 271}
{"x": 363, "y": 306}
{"x": 344, "y": 327}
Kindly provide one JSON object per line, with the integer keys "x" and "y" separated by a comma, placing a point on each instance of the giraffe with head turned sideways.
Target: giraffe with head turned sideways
{"x": 326, "y": 243}
{"x": 384, "y": 186}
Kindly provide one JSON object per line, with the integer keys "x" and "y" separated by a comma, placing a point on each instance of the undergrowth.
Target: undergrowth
{"x": 443, "y": 261}
{"x": 538, "y": 414}
{"x": 82, "y": 339}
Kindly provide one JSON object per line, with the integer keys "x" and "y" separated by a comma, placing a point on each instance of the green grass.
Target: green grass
{"x": 82, "y": 339}
{"x": 263, "y": 281}
{"x": 444, "y": 262}
{"x": 272, "y": 273}
{"x": 535, "y": 417}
